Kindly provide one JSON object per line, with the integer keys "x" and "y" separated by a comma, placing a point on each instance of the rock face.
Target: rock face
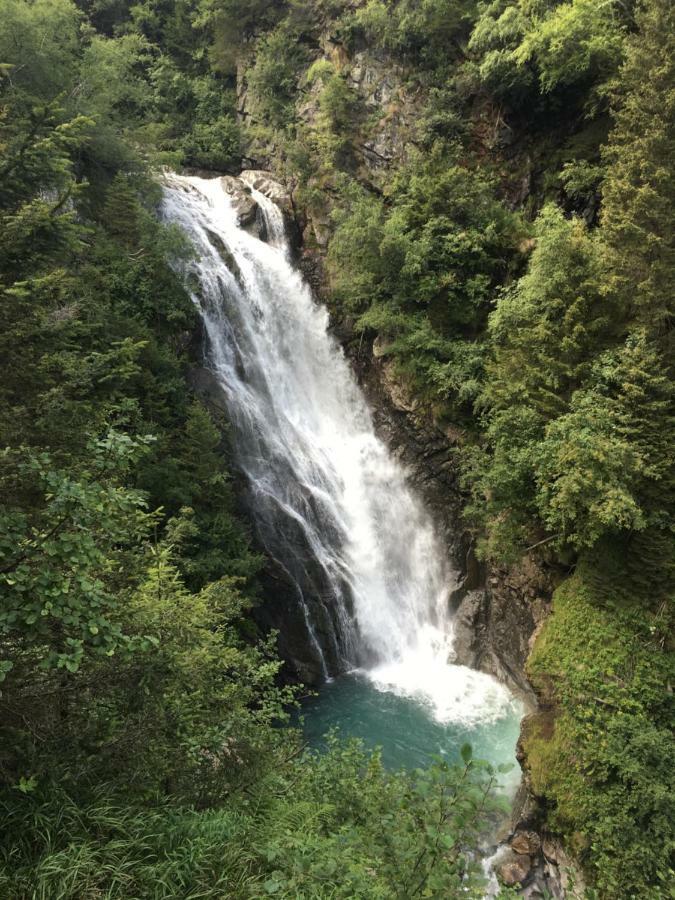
{"x": 240, "y": 189}
{"x": 496, "y": 610}
{"x": 521, "y": 864}
{"x": 494, "y": 625}
{"x": 264, "y": 183}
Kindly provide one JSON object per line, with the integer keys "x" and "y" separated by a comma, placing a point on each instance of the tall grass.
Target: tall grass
{"x": 59, "y": 851}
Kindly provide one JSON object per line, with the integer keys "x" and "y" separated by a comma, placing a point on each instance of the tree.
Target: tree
{"x": 557, "y": 45}
{"x": 638, "y": 219}
{"x": 55, "y": 559}
{"x": 545, "y": 334}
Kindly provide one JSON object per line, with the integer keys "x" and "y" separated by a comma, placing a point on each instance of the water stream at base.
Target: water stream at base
{"x": 329, "y": 502}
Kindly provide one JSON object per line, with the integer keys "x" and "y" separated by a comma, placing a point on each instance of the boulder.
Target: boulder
{"x": 243, "y": 202}
{"x": 514, "y": 869}
{"x": 380, "y": 346}
{"x": 399, "y": 392}
{"x": 526, "y": 842}
{"x": 263, "y": 182}
{"x": 551, "y": 849}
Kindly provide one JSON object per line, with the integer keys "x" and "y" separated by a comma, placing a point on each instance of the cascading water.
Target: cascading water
{"x": 330, "y": 503}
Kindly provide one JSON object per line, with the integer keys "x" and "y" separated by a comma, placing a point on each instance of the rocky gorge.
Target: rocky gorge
{"x": 497, "y": 611}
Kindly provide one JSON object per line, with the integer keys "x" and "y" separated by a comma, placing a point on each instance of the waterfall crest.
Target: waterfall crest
{"x": 330, "y": 503}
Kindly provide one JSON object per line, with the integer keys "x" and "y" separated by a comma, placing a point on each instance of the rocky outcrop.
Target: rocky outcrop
{"x": 242, "y": 189}
{"x": 264, "y": 183}
{"x": 495, "y": 623}
{"x": 242, "y": 200}
{"x": 514, "y": 869}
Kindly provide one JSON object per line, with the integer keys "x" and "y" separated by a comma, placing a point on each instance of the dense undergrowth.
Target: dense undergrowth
{"x": 144, "y": 742}
{"x": 332, "y": 824}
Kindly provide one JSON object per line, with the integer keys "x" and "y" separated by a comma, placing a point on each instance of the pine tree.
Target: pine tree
{"x": 639, "y": 191}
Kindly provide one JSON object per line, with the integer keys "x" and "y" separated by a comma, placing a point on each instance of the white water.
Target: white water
{"x": 331, "y": 504}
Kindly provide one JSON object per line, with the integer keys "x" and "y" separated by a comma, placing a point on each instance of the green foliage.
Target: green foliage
{"x": 608, "y": 766}
{"x": 113, "y": 669}
{"x": 638, "y": 191}
{"x": 57, "y": 594}
{"x": 334, "y": 824}
{"x": 328, "y": 144}
{"x": 232, "y": 21}
{"x": 579, "y": 420}
{"x": 544, "y": 334}
{"x": 213, "y": 145}
{"x": 605, "y": 465}
{"x": 581, "y": 355}
{"x": 422, "y": 271}
{"x": 274, "y": 78}
{"x": 194, "y": 488}
{"x": 356, "y": 265}
{"x": 550, "y": 45}
{"x": 495, "y": 38}
{"x": 38, "y": 47}
{"x": 574, "y": 41}
{"x": 424, "y": 33}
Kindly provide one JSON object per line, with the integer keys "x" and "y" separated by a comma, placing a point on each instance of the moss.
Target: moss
{"x": 606, "y": 766}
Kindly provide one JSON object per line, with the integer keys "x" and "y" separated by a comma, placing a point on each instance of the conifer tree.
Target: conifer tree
{"x": 638, "y": 221}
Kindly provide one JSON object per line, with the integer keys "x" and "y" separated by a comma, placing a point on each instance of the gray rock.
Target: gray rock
{"x": 243, "y": 202}
{"x": 514, "y": 869}
{"x": 265, "y": 183}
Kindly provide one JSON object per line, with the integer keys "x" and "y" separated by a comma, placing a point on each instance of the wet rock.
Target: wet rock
{"x": 475, "y": 571}
{"x": 526, "y": 812}
{"x": 469, "y": 626}
{"x": 400, "y": 394}
{"x": 514, "y": 869}
{"x": 244, "y": 204}
{"x": 321, "y": 229}
{"x": 380, "y": 346}
{"x": 526, "y": 842}
{"x": 534, "y": 892}
{"x": 562, "y": 873}
{"x": 207, "y": 387}
{"x": 265, "y": 183}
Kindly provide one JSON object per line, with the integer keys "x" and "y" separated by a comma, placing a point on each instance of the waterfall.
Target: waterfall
{"x": 330, "y": 503}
